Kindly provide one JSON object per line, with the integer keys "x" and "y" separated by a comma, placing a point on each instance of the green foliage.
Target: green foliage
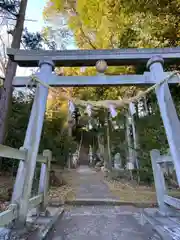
{"x": 36, "y": 41}
{"x": 54, "y": 136}
{"x": 109, "y": 24}
{"x": 21, "y": 107}
{"x": 99, "y": 24}
{"x": 55, "y": 131}
{"x": 18, "y": 119}
{"x": 145, "y": 175}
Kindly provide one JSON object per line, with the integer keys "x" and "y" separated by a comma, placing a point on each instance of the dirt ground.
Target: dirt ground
{"x": 66, "y": 191}
{"x": 130, "y": 192}
{"x": 125, "y": 191}
{"x": 6, "y": 185}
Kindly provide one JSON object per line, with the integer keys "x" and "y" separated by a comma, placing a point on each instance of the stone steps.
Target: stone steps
{"x": 106, "y": 201}
{"x": 101, "y": 223}
{"x": 168, "y": 228}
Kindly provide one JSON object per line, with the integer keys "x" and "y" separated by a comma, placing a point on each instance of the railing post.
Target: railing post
{"x": 159, "y": 182}
{"x": 168, "y": 111}
{"x": 18, "y": 185}
{"x": 44, "y": 180}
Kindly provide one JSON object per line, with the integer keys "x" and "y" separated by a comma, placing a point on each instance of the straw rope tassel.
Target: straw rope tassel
{"x": 116, "y": 103}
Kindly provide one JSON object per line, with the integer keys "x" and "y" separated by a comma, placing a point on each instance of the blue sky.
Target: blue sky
{"x": 34, "y": 11}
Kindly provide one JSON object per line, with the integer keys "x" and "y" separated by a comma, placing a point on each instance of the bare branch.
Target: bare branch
{"x": 7, "y": 10}
{"x": 28, "y": 20}
{"x": 74, "y": 12}
{"x": 9, "y": 18}
{"x": 87, "y": 38}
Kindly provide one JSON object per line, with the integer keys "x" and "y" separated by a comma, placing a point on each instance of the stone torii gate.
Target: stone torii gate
{"x": 46, "y": 60}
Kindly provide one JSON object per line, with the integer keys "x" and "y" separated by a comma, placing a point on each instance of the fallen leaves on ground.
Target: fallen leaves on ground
{"x": 61, "y": 194}
{"x": 6, "y": 184}
{"x": 67, "y": 191}
{"x": 131, "y": 193}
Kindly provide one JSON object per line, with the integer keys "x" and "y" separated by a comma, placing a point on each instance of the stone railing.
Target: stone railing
{"x": 40, "y": 201}
{"x": 168, "y": 205}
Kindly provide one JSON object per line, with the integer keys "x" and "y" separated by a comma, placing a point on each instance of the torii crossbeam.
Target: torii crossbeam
{"x": 26, "y": 58}
{"x": 99, "y": 80}
{"x": 78, "y": 58}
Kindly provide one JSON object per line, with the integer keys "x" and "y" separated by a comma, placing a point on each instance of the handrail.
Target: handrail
{"x": 9, "y": 152}
{"x": 11, "y": 213}
{"x": 8, "y": 215}
{"x": 35, "y": 201}
{"x": 39, "y": 201}
{"x": 167, "y": 204}
{"x": 165, "y": 159}
{"x": 172, "y": 201}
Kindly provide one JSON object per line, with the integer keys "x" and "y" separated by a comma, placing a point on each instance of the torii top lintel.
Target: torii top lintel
{"x": 78, "y": 58}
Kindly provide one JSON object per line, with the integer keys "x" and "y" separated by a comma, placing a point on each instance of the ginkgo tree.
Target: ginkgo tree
{"x": 102, "y": 24}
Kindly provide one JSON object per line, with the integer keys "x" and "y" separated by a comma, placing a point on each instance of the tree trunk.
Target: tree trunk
{"x": 108, "y": 145}
{"x": 70, "y": 136}
{"x": 129, "y": 140}
{"x": 101, "y": 145}
{"x": 135, "y": 142}
{"x": 6, "y": 91}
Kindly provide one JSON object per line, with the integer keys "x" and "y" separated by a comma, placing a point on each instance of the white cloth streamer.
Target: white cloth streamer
{"x": 112, "y": 111}
{"x": 132, "y": 108}
{"x": 88, "y": 109}
{"x": 71, "y": 107}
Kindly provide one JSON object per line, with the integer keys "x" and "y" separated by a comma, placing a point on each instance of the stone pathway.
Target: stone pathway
{"x": 99, "y": 222}
{"x": 92, "y": 185}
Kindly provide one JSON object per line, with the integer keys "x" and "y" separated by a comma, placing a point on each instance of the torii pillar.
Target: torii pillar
{"x": 25, "y": 174}
{"x": 168, "y": 112}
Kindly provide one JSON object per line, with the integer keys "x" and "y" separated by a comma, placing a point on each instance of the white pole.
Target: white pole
{"x": 20, "y": 176}
{"x": 168, "y": 111}
{"x": 30, "y": 163}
